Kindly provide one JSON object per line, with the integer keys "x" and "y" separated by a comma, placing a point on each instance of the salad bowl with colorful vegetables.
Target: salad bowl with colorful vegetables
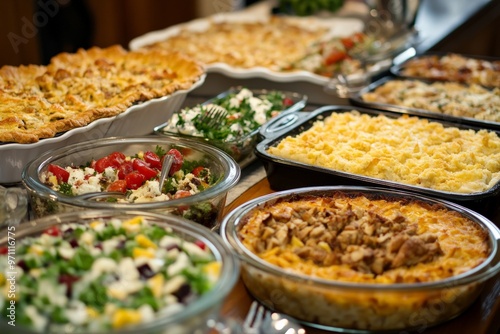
{"x": 108, "y": 271}
{"x": 195, "y": 186}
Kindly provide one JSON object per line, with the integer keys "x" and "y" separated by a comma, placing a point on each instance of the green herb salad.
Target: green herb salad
{"x": 108, "y": 274}
{"x": 243, "y": 111}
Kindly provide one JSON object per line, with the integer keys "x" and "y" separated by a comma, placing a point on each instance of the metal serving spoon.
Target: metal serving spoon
{"x": 167, "y": 164}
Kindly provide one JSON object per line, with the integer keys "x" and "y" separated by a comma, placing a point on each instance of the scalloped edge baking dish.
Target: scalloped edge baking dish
{"x": 132, "y": 122}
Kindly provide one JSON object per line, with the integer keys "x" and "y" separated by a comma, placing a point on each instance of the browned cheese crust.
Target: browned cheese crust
{"x": 454, "y": 67}
{"x": 75, "y": 89}
{"x": 273, "y": 44}
{"x": 361, "y": 239}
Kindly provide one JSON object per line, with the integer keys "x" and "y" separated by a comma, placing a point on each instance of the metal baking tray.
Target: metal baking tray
{"x": 284, "y": 174}
{"x": 357, "y": 100}
{"x": 397, "y": 69}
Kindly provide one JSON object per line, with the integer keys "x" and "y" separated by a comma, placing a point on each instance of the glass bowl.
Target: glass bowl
{"x": 241, "y": 147}
{"x": 346, "y": 297}
{"x": 194, "y": 317}
{"x": 204, "y": 207}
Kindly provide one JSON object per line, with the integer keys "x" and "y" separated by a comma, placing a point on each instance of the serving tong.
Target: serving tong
{"x": 165, "y": 169}
{"x": 391, "y": 37}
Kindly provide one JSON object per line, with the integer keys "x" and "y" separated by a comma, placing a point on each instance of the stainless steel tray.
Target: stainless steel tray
{"x": 358, "y": 101}
{"x": 287, "y": 174}
{"x": 397, "y": 70}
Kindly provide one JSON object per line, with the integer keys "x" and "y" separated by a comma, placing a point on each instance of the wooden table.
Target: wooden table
{"x": 482, "y": 317}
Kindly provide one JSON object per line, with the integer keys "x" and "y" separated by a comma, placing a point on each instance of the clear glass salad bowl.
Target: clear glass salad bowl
{"x": 204, "y": 207}
{"x": 196, "y": 314}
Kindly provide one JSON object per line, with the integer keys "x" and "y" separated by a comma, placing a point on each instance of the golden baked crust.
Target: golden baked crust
{"x": 449, "y": 98}
{"x": 75, "y": 89}
{"x": 356, "y": 238}
{"x": 454, "y": 67}
{"x": 274, "y": 44}
{"x": 407, "y": 150}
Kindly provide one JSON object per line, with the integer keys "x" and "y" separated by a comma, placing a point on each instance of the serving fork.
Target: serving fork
{"x": 212, "y": 117}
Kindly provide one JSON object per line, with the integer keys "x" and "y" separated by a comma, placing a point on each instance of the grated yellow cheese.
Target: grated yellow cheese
{"x": 406, "y": 150}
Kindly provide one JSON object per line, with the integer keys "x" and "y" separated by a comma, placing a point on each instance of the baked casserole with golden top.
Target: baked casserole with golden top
{"x": 407, "y": 150}
{"x": 76, "y": 89}
{"x": 362, "y": 258}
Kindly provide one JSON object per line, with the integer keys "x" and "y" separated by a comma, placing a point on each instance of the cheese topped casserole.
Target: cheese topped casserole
{"x": 406, "y": 150}
{"x": 454, "y": 67}
{"x": 355, "y": 259}
{"x": 75, "y": 89}
{"x": 274, "y": 44}
{"x": 355, "y": 238}
{"x": 449, "y": 98}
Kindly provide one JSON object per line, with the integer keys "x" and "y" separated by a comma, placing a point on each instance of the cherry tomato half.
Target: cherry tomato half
{"x": 152, "y": 159}
{"x": 142, "y": 167}
{"x": 198, "y": 171}
{"x": 134, "y": 180}
{"x": 60, "y": 173}
{"x": 116, "y": 159}
{"x": 53, "y": 231}
{"x": 335, "y": 57}
{"x": 118, "y": 185}
{"x": 287, "y": 102}
{"x": 124, "y": 169}
{"x": 102, "y": 164}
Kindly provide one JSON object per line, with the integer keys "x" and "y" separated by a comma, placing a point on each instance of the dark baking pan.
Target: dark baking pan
{"x": 285, "y": 174}
{"x": 398, "y": 69}
{"x": 357, "y": 100}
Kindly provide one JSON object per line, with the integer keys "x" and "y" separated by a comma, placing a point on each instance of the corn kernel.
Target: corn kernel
{"x": 2, "y": 279}
{"x": 141, "y": 252}
{"x": 53, "y": 180}
{"x": 35, "y": 249}
{"x": 145, "y": 242}
{"x": 132, "y": 224}
{"x": 95, "y": 224}
{"x": 212, "y": 269}
{"x": 156, "y": 284}
{"x": 124, "y": 317}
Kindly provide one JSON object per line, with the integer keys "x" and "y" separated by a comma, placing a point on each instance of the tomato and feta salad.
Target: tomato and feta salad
{"x": 136, "y": 176}
{"x": 334, "y": 55}
{"x": 106, "y": 274}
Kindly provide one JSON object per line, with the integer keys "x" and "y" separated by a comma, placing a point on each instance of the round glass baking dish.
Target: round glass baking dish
{"x": 204, "y": 207}
{"x": 197, "y": 314}
{"x": 354, "y": 307}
